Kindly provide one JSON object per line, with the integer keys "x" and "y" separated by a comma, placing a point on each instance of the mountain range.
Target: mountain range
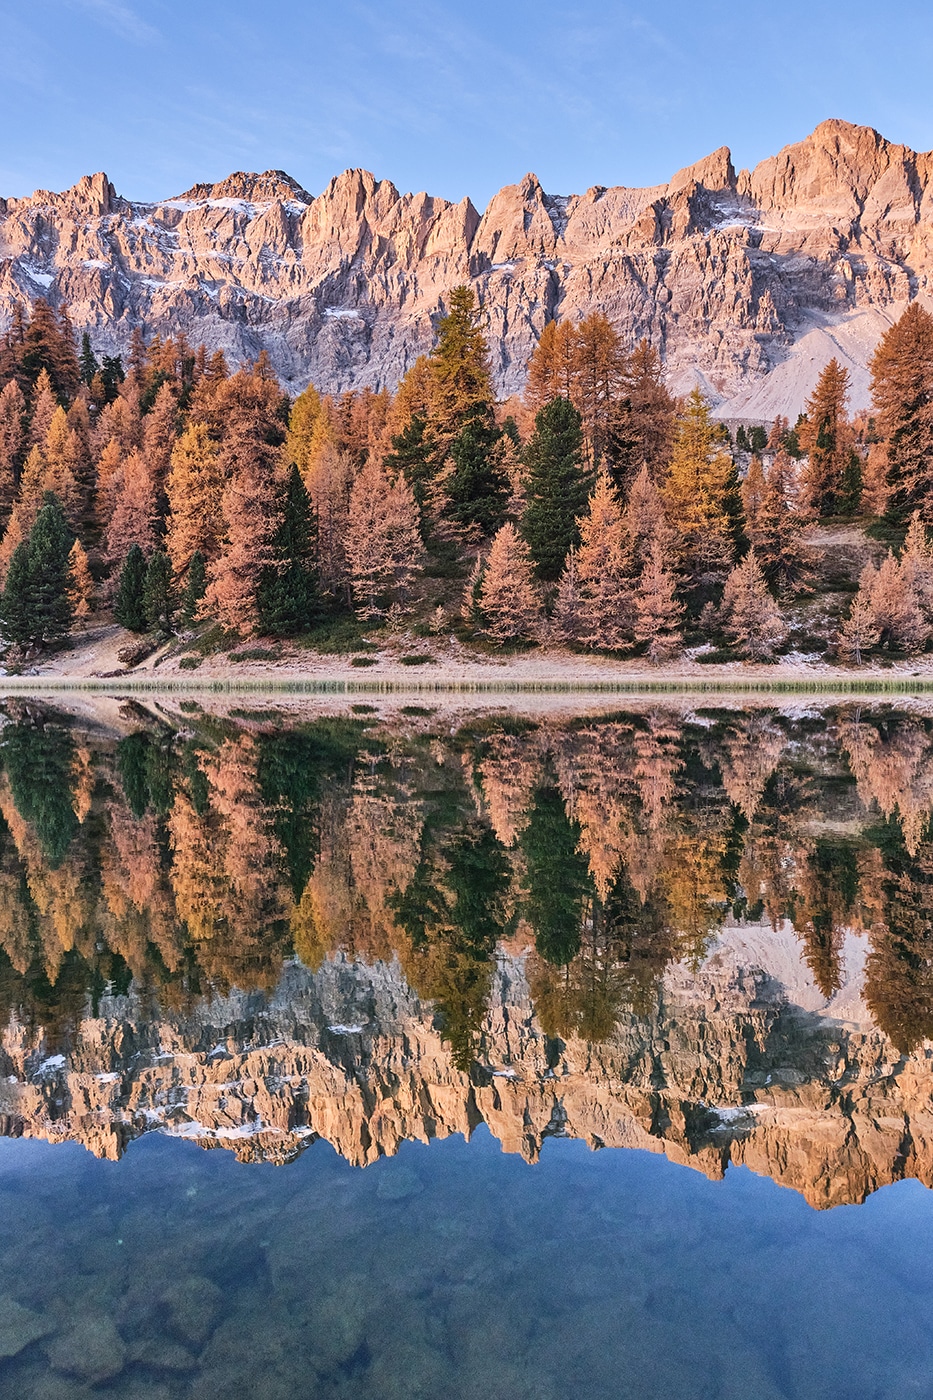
{"x": 746, "y": 282}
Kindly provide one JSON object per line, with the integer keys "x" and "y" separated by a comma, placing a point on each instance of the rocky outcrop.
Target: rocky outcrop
{"x": 747, "y": 282}
{"x": 742, "y": 1062}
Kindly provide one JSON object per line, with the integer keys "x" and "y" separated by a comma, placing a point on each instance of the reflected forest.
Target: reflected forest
{"x": 188, "y": 855}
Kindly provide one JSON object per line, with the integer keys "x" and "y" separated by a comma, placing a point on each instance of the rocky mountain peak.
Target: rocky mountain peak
{"x": 746, "y": 284}
{"x": 270, "y": 186}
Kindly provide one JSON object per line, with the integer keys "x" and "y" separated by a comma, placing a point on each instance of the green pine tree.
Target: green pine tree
{"x": 477, "y": 490}
{"x": 128, "y": 607}
{"x": 195, "y": 588}
{"x": 36, "y": 606}
{"x": 16, "y": 603}
{"x": 159, "y": 600}
{"x": 51, "y": 581}
{"x": 558, "y": 487}
{"x": 289, "y": 596}
{"x": 87, "y": 360}
{"x": 414, "y": 454}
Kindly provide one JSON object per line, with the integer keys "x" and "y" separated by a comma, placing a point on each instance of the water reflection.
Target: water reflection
{"x": 705, "y": 932}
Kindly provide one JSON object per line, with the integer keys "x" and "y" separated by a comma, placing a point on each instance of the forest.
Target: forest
{"x": 189, "y": 860}
{"x": 181, "y": 497}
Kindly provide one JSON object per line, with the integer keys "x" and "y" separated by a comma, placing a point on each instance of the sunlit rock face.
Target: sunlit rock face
{"x": 743, "y": 1062}
{"x": 746, "y": 282}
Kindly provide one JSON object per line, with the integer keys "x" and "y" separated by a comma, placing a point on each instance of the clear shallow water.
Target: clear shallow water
{"x": 332, "y": 950}
{"x": 454, "y": 1269}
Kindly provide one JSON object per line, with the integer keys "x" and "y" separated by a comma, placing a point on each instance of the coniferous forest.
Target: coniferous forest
{"x": 186, "y": 498}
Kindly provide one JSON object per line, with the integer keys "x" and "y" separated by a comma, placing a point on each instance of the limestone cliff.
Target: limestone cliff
{"x": 741, "y": 1062}
{"x": 747, "y": 282}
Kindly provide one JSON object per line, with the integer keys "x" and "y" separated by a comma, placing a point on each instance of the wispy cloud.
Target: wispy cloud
{"x": 120, "y": 19}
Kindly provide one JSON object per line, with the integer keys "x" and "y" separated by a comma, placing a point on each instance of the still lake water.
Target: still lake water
{"x": 479, "y": 1055}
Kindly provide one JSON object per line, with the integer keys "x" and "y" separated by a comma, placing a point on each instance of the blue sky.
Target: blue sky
{"x": 452, "y": 98}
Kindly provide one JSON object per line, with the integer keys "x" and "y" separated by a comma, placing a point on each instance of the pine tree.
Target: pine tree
{"x": 128, "y": 607}
{"x": 826, "y": 437}
{"x": 82, "y": 582}
{"x": 36, "y": 606}
{"x": 87, "y": 361}
{"x": 383, "y": 541}
{"x": 557, "y": 487}
{"x": 902, "y": 393}
{"x": 195, "y": 588}
{"x": 289, "y": 596}
{"x": 603, "y": 568}
{"x": 510, "y": 601}
{"x": 750, "y": 615}
{"x": 658, "y": 613}
{"x": 476, "y": 489}
{"x": 16, "y": 601}
{"x": 158, "y": 596}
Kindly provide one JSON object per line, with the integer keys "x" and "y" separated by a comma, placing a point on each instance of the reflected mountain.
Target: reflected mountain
{"x": 705, "y": 933}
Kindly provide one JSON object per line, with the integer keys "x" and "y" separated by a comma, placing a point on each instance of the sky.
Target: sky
{"x": 453, "y": 98}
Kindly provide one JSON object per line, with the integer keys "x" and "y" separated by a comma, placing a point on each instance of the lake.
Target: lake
{"x": 403, "y": 1050}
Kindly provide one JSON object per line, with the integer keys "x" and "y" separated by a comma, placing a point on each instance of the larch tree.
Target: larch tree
{"x": 12, "y": 442}
{"x": 751, "y": 617}
{"x": 753, "y": 486}
{"x": 643, "y": 422}
{"x": 135, "y": 516}
{"x": 825, "y": 436}
{"x": 302, "y": 439}
{"x": 658, "y": 611}
{"x": 557, "y": 487}
{"x": 646, "y": 522}
{"x": 384, "y": 550}
{"x": 194, "y": 488}
{"x": 600, "y": 375}
{"x": 510, "y": 599}
{"x": 777, "y": 532}
{"x": 552, "y": 369}
{"x": 895, "y": 607}
{"x": 43, "y": 406}
{"x": 160, "y": 429}
{"x": 860, "y": 633}
{"x": 249, "y": 454}
{"x": 902, "y": 394}
{"x": 460, "y": 379}
{"x": 696, "y": 495}
{"x": 917, "y": 565}
{"x": 82, "y": 583}
{"x": 604, "y": 603}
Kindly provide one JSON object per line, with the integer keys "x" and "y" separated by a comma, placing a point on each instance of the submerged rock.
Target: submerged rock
{"x": 194, "y": 1306}
{"x": 92, "y": 1349}
{"x": 19, "y": 1327}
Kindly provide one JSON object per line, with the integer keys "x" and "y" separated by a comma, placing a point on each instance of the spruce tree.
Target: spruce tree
{"x": 195, "y": 588}
{"x": 50, "y": 544}
{"x": 87, "y": 361}
{"x": 158, "y": 593}
{"x": 16, "y": 602}
{"x": 477, "y": 489}
{"x": 289, "y": 597}
{"x": 128, "y": 607}
{"x": 557, "y": 487}
{"x": 37, "y": 608}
